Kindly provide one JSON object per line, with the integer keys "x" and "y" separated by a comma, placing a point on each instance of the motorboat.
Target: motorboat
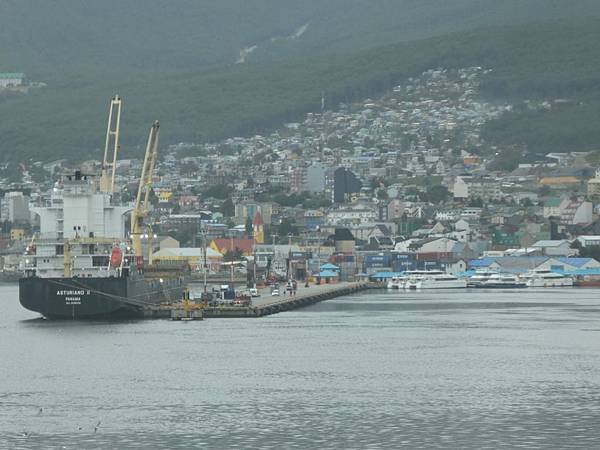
{"x": 479, "y": 277}
{"x": 396, "y": 282}
{"x": 547, "y": 278}
{"x": 502, "y": 281}
{"x": 433, "y": 279}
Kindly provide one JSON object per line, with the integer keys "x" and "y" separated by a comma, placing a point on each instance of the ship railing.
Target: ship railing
{"x": 49, "y": 237}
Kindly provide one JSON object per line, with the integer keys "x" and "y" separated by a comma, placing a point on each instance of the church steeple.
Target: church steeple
{"x": 258, "y": 226}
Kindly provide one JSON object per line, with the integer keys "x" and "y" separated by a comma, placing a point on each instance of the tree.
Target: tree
{"x": 188, "y": 168}
{"x": 228, "y": 208}
{"x": 382, "y": 194}
{"x": 219, "y": 191}
{"x": 288, "y": 200}
{"x": 507, "y": 160}
{"x": 475, "y": 203}
{"x": 286, "y": 228}
{"x": 249, "y": 228}
{"x": 233, "y": 255}
{"x": 590, "y": 252}
{"x": 317, "y": 201}
{"x": 438, "y": 193}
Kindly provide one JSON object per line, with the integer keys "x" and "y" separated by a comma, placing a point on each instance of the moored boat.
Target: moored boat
{"x": 433, "y": 279}
{"x": 502, "y": 281}
{"x": 396, "y": 282}
{"x": 547, "y": 278}
{"x": 479, "y": 277}
{"x": 69, "y": 275}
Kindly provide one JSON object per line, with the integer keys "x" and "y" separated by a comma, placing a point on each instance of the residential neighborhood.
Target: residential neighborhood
{"x": 401, "y": 182}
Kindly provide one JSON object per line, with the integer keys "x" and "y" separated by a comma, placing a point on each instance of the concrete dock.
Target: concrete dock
{"x": 261, "y": 306}
{"x": 266, "y": 304}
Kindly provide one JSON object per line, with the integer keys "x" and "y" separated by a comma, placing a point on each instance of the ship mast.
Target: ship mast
{"x": 107, "y": 177}
{"x": 142, "y": 201}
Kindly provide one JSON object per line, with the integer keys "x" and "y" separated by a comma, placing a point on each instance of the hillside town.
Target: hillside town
{"x": 399, "y": 183}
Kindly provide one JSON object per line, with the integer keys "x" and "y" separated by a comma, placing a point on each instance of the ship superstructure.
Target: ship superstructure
{"x": 84, "y": 263}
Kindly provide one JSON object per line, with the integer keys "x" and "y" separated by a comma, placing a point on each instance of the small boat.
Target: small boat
{"x": 479, "y": 277}
{"x": 547, "y": 278}
{"x": 502, "y": 281}
{"x": 396, "y": 282}
{"x": 433, "y": 279}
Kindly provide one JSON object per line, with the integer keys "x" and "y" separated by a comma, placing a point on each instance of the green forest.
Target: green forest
{"x": 73, "y": 42}
{"x": 549, "y": 60}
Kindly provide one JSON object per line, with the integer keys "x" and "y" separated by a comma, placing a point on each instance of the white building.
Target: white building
{"x": 15, "y": 207}
{"x": 577, "y": 212}
{"x": 351, "y": 216}
{"x": 570, "y": 211}
{"x": 474, "y": 187}
{"x": 552, "y": 207}
{"x": 315, "y": 178}
{"x": 589, "y": 241}
{"x": 555, "y": 248}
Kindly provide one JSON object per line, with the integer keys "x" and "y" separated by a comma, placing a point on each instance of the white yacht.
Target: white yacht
{"x": 396, "y": 282}
{"x": 480, "y": 277}
{"x": 433, "y": 279}
{"x": 547, "y": 278}
{"x": 503, "y": 281}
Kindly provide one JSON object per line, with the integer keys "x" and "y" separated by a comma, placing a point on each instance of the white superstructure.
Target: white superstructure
{"x": 77, "y": 208}
{"x": 433, "y": 279}
{"x": 547, "y": 278}
{"x": 79, "y": 228}
{"x": 503, "y": 280}
{"x": 480, "y": 277}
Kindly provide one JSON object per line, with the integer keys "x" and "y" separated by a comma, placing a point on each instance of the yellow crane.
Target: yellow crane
{"x": 109, "y": 166}
{"x": 142, "y": 201}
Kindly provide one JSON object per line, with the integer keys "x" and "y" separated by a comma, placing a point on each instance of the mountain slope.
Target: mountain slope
{"x": 546, "y": 60}
{"x": 71, "y": 42}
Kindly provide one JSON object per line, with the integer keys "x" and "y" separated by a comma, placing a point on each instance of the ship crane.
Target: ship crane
{"x": 142, "y": 201}
{"x": 107, "y": 176}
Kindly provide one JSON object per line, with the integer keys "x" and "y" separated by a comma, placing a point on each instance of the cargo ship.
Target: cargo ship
{"x": 82, "y": 266}
{"x": 85, "y": 263}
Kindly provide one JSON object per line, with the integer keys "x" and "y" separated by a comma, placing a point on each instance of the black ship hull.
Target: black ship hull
{"x": 112, "y": 298}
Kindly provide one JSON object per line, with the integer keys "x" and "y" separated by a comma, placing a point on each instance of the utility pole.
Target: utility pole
{"x": 204, "y": 265}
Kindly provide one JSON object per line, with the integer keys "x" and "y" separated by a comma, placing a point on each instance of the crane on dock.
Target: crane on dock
{"x": 109, "y": 166}
{"x": 142, "y": 201}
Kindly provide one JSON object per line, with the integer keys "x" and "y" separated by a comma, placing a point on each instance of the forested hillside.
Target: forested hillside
{"x": 67, "y": 119}
{"x": 72, "y": 42}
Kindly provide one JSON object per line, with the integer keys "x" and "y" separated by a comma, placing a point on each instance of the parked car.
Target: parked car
{"x": 254, "y": 292}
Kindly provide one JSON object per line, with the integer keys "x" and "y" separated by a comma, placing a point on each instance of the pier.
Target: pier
{"x": 266, "y": 304}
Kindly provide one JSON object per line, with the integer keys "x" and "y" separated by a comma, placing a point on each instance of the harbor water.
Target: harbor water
{"x": 464, "y": 369}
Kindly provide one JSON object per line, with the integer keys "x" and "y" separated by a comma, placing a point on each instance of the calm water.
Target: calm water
{"x": 376, "y": 370}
